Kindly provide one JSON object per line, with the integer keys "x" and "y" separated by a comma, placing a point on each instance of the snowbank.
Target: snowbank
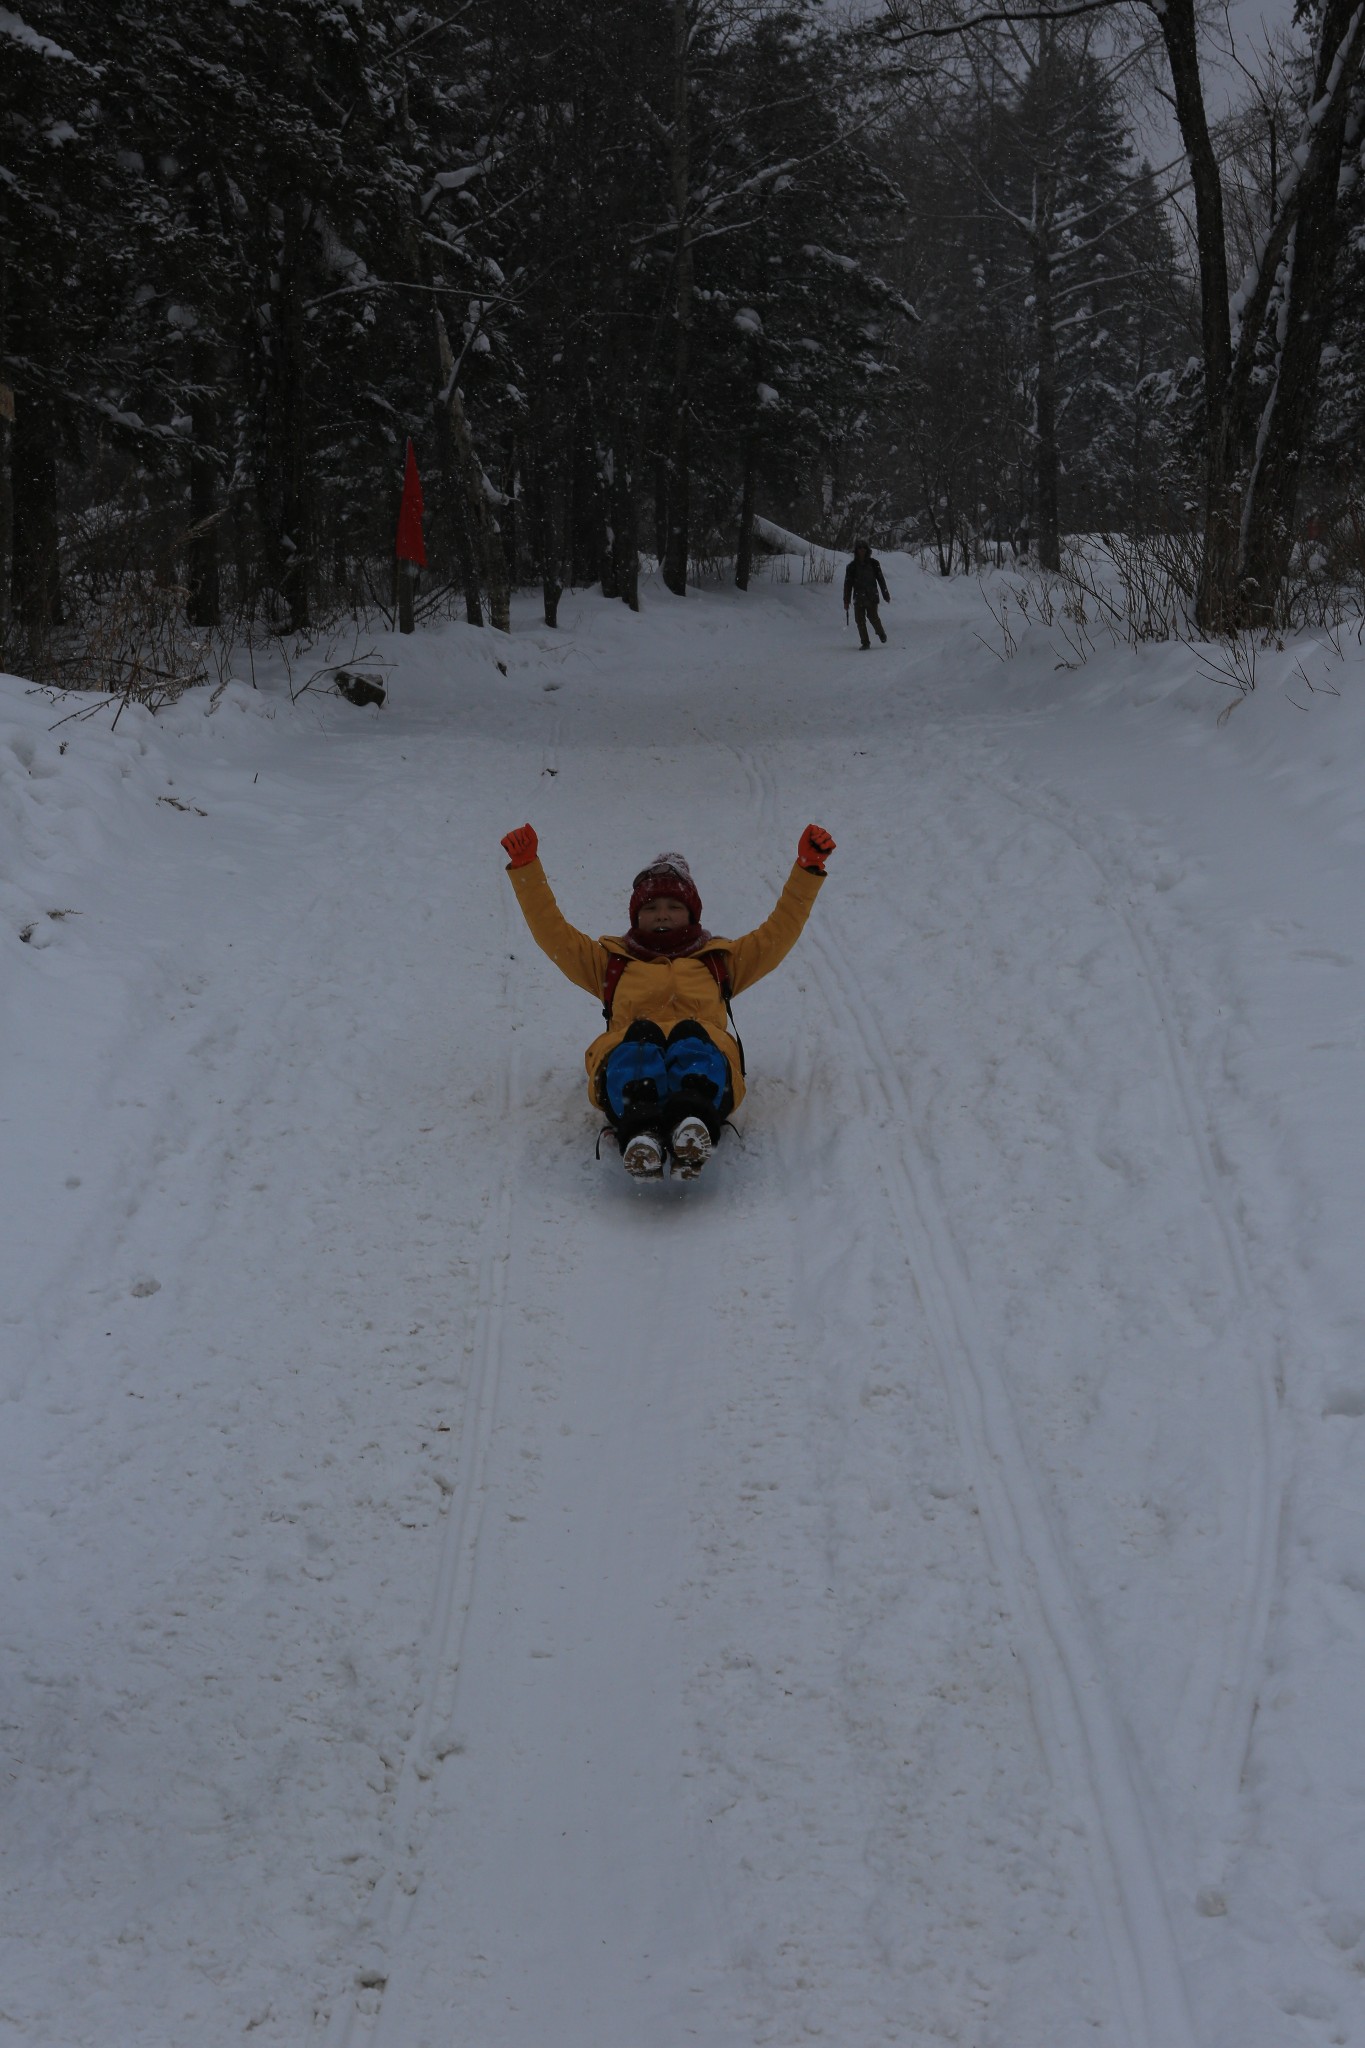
{"x": 823, "y": 560}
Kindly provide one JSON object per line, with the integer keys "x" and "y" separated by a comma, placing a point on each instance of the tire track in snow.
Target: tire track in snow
{"x": 1230, "y": 1717}
{"x": 1087, "y": 1750}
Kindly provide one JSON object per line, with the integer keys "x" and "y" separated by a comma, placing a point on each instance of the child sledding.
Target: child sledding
{"x": 667, "y": 1071}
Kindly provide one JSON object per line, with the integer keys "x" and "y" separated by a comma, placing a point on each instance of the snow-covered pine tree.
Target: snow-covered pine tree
{"x": 1053, "y": 234}
{"x": 797, "y": 333}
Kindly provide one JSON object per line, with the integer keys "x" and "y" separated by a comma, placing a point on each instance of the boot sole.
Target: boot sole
{"x": 690, "y": 1157}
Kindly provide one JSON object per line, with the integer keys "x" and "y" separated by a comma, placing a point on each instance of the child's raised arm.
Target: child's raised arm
{"x": 759, "y": 951}
{"x": 573, "y": 952}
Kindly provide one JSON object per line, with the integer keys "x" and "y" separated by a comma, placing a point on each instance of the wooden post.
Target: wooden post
{"x": 407, "y": 585}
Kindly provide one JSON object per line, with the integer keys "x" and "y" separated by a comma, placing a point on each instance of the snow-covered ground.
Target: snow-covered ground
{"x": 908, "y": 1587}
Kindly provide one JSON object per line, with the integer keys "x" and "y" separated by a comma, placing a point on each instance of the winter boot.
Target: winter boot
{"x": 691, "y": 1146}
{"x": 643, "y": 1156}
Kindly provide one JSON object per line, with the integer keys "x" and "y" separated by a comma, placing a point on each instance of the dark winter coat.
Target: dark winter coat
{"x": 863, "y": 578}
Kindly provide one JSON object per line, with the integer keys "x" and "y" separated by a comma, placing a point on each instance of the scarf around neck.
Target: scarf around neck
{"x": 693, "y": 938}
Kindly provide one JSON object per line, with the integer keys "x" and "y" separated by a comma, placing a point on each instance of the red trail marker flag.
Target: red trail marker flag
{"x": 409, "y": 546}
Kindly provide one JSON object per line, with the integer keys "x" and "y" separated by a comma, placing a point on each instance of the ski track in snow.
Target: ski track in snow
{"x": 1088, "y": 1751}
{"x": 1228, "y": 1710}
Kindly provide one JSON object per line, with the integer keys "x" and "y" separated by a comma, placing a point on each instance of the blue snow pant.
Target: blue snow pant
{"x": 649, "y": 1082}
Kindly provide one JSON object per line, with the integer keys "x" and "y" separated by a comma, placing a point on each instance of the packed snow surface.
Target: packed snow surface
{"x": 908, "y": 1587}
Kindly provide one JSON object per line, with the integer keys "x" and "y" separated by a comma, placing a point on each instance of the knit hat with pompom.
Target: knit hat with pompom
{"x": 668, "y": 875}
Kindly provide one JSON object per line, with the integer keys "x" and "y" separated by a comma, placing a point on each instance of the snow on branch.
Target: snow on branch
{"x": 451, "y": 181}
{"x": 18, "y": 30}
{"x": 787, "y": 543}
{"x": 755, "y": 183}
{"x": 833, "y": 256}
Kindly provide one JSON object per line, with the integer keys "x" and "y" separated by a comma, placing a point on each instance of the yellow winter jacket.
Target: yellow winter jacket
{"x": 664, "y": 991}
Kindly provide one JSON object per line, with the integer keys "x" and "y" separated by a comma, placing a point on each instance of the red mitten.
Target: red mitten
{"x": 520, "y": 846}
{"x": 815, "y": 849}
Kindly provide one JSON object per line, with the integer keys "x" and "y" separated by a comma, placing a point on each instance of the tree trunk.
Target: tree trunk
{"x": 1260, "y": 388}
{"x": 1270, "y": 495}
{"x": 6, "y": 476}
{"x": 294, "y": 507}
{"x": 944, "y": 549}
{"x": 585, "y": 522}
{"x": 605, "y": 504}
{"x": 455, "y": 525}
{"x": 1215, "y": 600}
{"x": 1286, "y": 402}
{"x": 204, "y": 605}
{"x": 624, "y": 514}
{"x": 625, "y": 540}
{"x": 482, "y": 527}
{"x": 676, "y": 540}
{"x": 280, "y": 425}
{"x": 744, "y": 551}
{"x": 1177, "y": 22}
{"x": 34, "y": 562}
{"x": 660, "y": 508}
{"x": 6, "y": 513}
{"x": 508, "y": 523}
{"x": 464, "y": 556}
{"x": 1046, "y": 462}
{"x": 545, "y": 529}
{"x": 459, "y": 525}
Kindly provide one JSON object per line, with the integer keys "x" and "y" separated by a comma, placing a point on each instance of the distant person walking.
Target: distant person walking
{"x": 863, "y": 579}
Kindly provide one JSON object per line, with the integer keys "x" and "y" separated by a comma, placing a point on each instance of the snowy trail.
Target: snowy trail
{"x": 1089, "y": 1755}
{"x": 499, "y": 1604}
